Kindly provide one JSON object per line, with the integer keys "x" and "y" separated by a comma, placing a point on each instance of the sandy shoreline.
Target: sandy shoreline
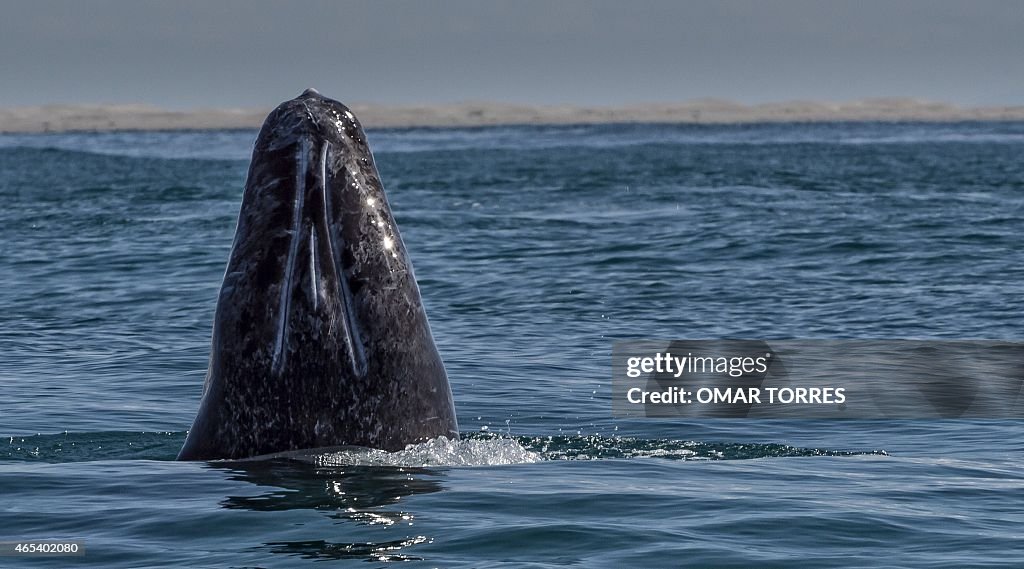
{"x": 66, "y": 118}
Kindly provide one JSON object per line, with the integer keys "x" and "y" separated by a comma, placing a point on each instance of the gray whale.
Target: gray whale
{"x": 320, "y": 338}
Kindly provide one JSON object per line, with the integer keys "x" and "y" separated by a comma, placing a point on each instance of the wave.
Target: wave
{"x": 473, "y": 449}
{"x": 236, "y": 145}
{"x": 542, "y": 137}
{"x": 171, "y": 145}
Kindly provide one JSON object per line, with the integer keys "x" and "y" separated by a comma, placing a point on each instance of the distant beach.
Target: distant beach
{"x": 66, "y": 118}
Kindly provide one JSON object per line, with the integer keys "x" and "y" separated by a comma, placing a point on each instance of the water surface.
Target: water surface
{"x": 535, "y": 248}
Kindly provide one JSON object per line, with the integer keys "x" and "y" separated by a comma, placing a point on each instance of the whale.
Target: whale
{"x": 320, "y": 338}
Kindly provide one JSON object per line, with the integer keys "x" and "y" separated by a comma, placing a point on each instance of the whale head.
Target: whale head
{"x": 320, "y": 337}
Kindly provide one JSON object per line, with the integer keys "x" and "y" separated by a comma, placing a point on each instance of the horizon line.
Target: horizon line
{"x": 143, "y": 116}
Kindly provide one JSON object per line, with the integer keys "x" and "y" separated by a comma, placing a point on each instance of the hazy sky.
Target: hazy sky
{"x": 245, "y": 53}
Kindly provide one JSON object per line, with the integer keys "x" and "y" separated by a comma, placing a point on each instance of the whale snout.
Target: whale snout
{"x": 320, "y": 337}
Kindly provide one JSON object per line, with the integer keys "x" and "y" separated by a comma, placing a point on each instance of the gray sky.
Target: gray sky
{"x": 244, "y": 53}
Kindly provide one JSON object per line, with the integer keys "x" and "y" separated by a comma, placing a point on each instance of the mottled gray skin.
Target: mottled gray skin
{"x": 320, "y": 338}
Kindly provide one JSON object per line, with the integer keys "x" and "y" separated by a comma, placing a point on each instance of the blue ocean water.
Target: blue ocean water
{"x": 535, "y": 249}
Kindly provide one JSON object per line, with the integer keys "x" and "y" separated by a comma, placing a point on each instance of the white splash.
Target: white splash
{"x": 437, "y": 452}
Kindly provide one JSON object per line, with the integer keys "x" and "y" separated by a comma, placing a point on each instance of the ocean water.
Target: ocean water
{"x": 535, "y": 249}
